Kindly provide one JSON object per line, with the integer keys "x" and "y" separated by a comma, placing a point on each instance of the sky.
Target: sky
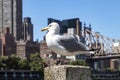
{"x": 103, "y": 15}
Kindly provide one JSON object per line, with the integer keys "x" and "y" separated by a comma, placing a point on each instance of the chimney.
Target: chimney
{"x": 77, "y": 28}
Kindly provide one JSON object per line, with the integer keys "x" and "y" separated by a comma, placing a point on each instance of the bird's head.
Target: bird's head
{"x": 52, "y": 27}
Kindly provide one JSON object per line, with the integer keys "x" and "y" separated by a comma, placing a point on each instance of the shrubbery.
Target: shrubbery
{"x": 14, "y": 62}
{"x": 78, "y": 62}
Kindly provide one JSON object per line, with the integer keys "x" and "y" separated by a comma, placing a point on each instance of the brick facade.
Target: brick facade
{"x": 7, "y": 43}
{"x": 11, "y": 16}
{"x": 24, "y": 49}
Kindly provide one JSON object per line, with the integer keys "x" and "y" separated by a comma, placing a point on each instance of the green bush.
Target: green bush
{"x": 78, "y": 62}
{"x": 14, "y": 62}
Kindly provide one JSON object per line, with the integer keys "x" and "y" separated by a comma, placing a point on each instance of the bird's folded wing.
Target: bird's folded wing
{"x": 71, "y": 44}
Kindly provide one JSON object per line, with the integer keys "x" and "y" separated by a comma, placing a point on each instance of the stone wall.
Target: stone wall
{"x": 67, "y": 72}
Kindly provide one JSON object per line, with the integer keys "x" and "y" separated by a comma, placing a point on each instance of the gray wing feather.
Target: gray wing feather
{"x": 71, "y": 44}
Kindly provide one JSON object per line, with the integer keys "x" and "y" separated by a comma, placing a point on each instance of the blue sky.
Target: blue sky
{"x": 103, "y": 15}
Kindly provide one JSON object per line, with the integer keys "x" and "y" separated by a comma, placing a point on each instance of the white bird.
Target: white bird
{"x": 65, "y": 45}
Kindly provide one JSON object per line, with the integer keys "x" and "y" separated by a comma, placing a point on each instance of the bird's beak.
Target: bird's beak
{"x": 46, "y": 28}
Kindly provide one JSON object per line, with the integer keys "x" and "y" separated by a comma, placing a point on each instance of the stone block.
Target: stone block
{"x": 67, "y": 72}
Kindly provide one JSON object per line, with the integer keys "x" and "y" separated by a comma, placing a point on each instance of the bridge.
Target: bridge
{"x": 103, "y": 46}
{"x": 106, "y": 49}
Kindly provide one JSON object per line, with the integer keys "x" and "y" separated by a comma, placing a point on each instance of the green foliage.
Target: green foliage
{"x": 78, "y": 62}
{"x": 3, "y": 62}
{"x": 36, "y": 63}
{"x": 109, "y": 70}
{"x": 24, "y": 64}
{"x": 13, "y": 61}
{"x": 35, "y": 56}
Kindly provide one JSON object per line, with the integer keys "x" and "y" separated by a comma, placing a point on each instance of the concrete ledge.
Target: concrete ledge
{"x": 67, "y": 72}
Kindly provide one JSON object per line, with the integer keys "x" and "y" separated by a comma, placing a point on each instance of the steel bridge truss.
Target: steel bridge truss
{"x": 101, "y": 44}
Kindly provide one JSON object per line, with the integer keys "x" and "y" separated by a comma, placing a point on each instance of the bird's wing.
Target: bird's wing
{"x": 71, "y": 44}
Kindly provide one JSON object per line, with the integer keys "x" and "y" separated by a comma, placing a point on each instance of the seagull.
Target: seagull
{"x": 66, "y": 45}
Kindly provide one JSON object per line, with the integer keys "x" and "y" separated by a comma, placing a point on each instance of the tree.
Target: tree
{"x": 78, "y": 62}
{"x": 24, "y": 64}
{"x": 36, "y": 63}
{"x": 3, "y": 62}
{"x": 13, "y": 61}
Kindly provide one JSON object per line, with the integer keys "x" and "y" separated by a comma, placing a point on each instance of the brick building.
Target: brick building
{"x": 115, "y": 64}
{"x": 11, "y": 16}
{"x": 24, "y": 49}
{"x": 16, "y": 37}
{"x": 26, "y": 45}
{"x": 27, "y": 29}
{"x": 7, "y": 43}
